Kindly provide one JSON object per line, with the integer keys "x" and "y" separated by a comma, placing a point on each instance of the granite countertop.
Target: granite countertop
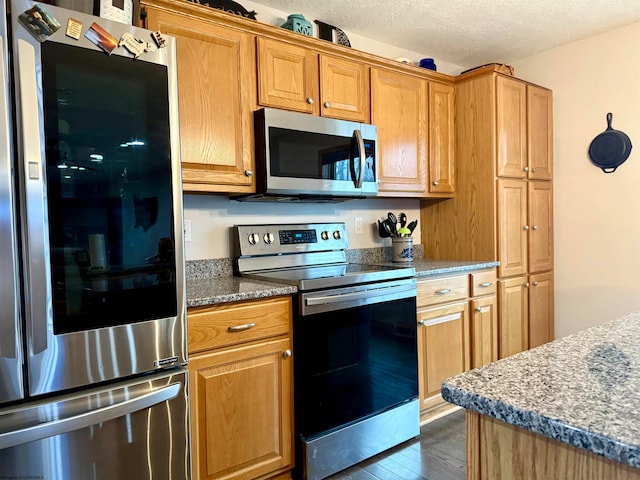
{"x": 211, "y": 282}
{"x": 583, "y": 390}
{"x": 211, "y": 291}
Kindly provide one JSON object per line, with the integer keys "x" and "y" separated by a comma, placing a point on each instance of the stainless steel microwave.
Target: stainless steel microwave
{"x": 302, "y": 157}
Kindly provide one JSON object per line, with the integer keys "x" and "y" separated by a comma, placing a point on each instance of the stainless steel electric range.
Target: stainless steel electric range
{"x": 354, "y": 338}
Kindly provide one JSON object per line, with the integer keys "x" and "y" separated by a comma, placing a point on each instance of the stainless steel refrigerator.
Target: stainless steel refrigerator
{"x": 93, "y": 380}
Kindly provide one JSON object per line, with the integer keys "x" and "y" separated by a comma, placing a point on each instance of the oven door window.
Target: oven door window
{"x": 109, "y": 189}
{"x": 354, "y": 363}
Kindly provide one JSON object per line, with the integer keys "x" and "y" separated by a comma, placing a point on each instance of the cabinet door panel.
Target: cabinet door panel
{"x": 512, "y": 227}
{"x": 216, "y": 94}
{"x": 541, "y": 319}
{"x": 441, "y": 138}
{"x": 244, "y": 395}
{"x": 344, "y": 89}
{"x": 539, "y": 128}
{"x": 443, "y": 346}
{"x": 511, "y": 97}
{"x": 399, "y": 110}
{"x": 513, "y": 323}
{"x": 287, "y": 76}
{"x": 541, "y": 226}
{"x": 484, "y": 331}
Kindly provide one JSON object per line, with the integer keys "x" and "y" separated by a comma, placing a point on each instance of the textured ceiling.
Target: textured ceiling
{"x": 469, "y": 33}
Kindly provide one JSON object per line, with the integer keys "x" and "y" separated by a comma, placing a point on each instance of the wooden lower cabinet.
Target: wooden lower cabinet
{"x": 484, "y": 331}
{"x": 514, "y": 316}
{"x": 444, "y": 339}
{"x": 457, "y": 330}
{"x": 541, "y": 318}
{"x": 241, "y": 394}
{"x": 499, "y": 451}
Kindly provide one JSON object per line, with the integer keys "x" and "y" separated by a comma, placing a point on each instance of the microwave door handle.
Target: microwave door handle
{"x": 8, "y": 323}
{"x": 357, "y": 134}
{"x": 37, "y": 253}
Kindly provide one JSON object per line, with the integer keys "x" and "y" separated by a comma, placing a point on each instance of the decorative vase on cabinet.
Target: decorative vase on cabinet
{"x": 297, "y": 23}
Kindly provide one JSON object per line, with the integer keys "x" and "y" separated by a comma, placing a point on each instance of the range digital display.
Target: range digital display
{"x": 288, "y": 237}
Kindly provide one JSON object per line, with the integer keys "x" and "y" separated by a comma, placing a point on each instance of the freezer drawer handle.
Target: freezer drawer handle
{"x": 86, "y": 419}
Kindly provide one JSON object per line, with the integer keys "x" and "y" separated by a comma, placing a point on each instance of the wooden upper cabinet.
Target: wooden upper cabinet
{"x": 287, "y": 76}
{"x": 399, "y": 109}
{"x": 344, "y": 89}
{"x": 511, "y": 98}
{"x": 297, "y": 78}
{"x": 512, "y": 227}
{"x": 539, "y": 133}
{"x": 540, "y": 212}
{"x": 441, "y": 138}
{"x": 216, "y": 95}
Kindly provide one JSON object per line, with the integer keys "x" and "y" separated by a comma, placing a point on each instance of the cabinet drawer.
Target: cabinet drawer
{"x": 224, "y": 325}
{"x": 484, "y": 283}
{"x": 441, "y": 290}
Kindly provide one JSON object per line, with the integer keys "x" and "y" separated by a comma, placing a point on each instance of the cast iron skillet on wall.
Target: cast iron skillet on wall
{"x": 610, "y": 149}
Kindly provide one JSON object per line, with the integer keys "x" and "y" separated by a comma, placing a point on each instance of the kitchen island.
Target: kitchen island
{"x": 569, "y": 409}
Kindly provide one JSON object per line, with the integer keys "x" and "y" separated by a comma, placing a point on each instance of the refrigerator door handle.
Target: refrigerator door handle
{"x": 86, "y": 419}
{"x": 37, "y": 254}
{"x": 9, "y": 320}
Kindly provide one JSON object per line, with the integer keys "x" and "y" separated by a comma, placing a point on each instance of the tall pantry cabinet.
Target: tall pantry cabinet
{"x": 503, "y": 208}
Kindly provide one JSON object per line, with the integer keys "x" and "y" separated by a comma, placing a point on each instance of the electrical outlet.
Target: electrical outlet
{"x": 187, "y": 230}
{"x": 358, "y": 225}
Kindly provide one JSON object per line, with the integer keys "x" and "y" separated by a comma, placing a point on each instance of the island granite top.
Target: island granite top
{"x": 583, "y": 390}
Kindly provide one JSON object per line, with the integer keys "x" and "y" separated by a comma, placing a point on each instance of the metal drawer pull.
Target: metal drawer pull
{"x": 444, "y": 291}
{"x": 240, "y": 328}
{"x": 485, "y": 284}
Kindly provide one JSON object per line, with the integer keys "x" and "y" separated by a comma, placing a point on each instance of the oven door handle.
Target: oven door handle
{"x": 364, "y": 296}
{"x": 86, "y": 419}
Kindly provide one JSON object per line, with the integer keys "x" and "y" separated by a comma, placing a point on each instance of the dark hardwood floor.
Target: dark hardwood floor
{"x": 439, "y": 453}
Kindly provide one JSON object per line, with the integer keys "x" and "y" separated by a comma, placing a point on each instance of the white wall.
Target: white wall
{"x": 597, "y": 215}
{"x": 275, "y": 17}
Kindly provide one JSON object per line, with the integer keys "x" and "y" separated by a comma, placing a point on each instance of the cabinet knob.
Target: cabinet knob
{"x": 533, "y": 169}
{"x": 478, "y": 309}
{"x": 248, "y": 173}
{"x": 422, "y": 322}
{"x": 535, "y": 284}
{"x": 435, "y": 183}
{"x": 286, "y": 353}
{"x": 327, "y": 104}
{"x": 535, "y": 227}
{"x": 526, "y": 227}
{"x": 526, "y": 285}
{"x": 310, "y": 101}
{"x": 526, "y": 169}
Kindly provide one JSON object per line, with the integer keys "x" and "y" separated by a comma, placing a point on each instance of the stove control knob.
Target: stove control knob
{"x": 337, "y": 235}
{"x": 268, "y": 238}
{"x": 254, "y": 238}
{"x": 324, "y": 235}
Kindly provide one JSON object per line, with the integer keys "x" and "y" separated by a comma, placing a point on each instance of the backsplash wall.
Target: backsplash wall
{"x": 212, "y": 217}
